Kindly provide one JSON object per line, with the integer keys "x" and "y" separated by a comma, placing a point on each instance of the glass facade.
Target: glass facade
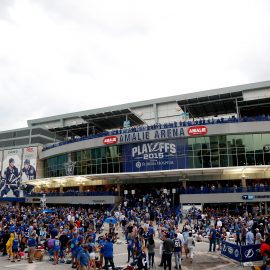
{"x": 199, "y": 152}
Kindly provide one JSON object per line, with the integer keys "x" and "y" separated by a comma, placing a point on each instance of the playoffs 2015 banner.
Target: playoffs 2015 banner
{"x": 150, "y": 156}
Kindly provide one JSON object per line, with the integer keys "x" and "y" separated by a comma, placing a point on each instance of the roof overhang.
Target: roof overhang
{"x": 181, "y": 174}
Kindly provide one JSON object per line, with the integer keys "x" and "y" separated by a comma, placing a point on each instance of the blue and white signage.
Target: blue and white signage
{"x": 251, "y": 253}
{"x": 248, "y": 197}
{"x": 159, "y": 134}
{"x": 231, "y": 251}
{"x": 162, "y": 155}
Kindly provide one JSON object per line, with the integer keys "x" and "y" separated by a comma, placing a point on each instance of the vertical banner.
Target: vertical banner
{"x": 1, "y": 162}
{"x": 11, "y": 176}
{"x": 29, "y": 163}
{"x": 154, "y": 156}
{"x": 28, "y": 170}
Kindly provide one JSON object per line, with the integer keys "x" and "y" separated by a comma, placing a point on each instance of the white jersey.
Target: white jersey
{"x": 181, "y": 237}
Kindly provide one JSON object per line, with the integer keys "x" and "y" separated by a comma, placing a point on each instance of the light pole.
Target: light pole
{"x": 43, "y": 201}
{"x": 173, "y": 192}
{"x": 165, "y": 191}
{"x": 125, "y": 192}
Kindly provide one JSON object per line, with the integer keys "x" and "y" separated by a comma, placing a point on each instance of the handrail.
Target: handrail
{"x": 175, "y": 124}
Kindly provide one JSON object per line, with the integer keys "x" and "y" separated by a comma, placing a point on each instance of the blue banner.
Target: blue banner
{"x": 154, "y": 156}
{"x": 231, "y": 251}
{"x": 251, "y": 253}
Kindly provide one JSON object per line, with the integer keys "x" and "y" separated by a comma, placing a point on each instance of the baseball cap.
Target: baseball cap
{"x": 27, "y": 161}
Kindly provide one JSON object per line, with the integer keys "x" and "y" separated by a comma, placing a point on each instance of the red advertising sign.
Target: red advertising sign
{"x": 197, "y": 130}
{"x": 110, "y": 140}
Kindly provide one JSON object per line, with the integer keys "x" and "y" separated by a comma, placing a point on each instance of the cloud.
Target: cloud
{"x": 64, "y": 56}
{"x": 5, "y": 6}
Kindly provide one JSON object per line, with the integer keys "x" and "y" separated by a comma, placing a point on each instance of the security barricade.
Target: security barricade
{"x": 241, "y": 254}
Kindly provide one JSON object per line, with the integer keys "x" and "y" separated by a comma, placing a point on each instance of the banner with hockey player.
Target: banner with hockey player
{"x": 1, "y": 162}
{"x": 29, "y": 163}
{"x": 28, "y": 170}
{"x": 11, "y": 176}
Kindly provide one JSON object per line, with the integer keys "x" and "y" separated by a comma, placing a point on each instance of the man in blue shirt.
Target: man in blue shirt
{"x": 108, "y": 254}
{"x": 83, "y": 258}
{"x": 73, "y": 247}
{"x": 130, "y": 248}
{"x": 212, "y": 238}
{"x": 31, "y": 247}
{"x": 177, "y": 251}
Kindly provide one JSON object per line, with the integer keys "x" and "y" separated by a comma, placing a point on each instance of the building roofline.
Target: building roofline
{"x": 203, "y": 93}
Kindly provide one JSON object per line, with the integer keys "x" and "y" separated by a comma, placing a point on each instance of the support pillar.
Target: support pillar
{"x": 265, "y": 208}
{"x": 81, "y": 188}
{"x": 260, "y": 207}
{"x": 87, "y": 129}
{"x": 61, "y": 189}
{"x": 244, "y": 182}
{"x": 184, "y": 183}
{"x": 155, "y": 112}
{"x": 119, "y": 189}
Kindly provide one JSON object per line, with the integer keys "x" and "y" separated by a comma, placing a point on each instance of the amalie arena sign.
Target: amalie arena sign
{"x": 168, "y": 133}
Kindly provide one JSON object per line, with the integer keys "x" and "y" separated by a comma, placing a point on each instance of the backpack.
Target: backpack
{"x": 50, "y": 243}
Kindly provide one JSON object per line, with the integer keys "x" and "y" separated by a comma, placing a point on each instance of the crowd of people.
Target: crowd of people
{"x": 145, "y": 222}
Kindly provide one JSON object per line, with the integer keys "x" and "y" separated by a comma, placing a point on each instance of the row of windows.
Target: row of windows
{"x": 200, "y": 152}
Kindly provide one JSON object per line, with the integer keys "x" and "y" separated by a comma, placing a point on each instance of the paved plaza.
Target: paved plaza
{"x": 202, "y": 260}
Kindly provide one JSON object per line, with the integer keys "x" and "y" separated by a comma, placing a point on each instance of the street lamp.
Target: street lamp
{"x": 165, "y": 191}
{"x": 133, "y": 192}
{"x": 173, "y": 192}
{"x": 125, "y": 192}
{"x": 43, "y": 201}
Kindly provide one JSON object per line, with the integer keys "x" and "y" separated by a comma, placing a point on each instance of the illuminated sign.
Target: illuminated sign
{"x": 110, "y": 140}
{"x": 197, "y": 130}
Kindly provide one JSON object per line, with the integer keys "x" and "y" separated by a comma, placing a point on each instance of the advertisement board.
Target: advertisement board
{"x": 251, "y": 253}
{"x": 154, "y": 156}
{"x": 29, "y": 163}
{"x": 248, "y": 253}
{"x": 10, "y": 182}
{"x": 231, "y": 251}
{"x": 1, "y": 162}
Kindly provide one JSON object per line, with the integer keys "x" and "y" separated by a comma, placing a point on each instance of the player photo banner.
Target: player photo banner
{"x": 1, "y": 161}
{"x": 11, "y": 176}
{"x": 29, "y": 163}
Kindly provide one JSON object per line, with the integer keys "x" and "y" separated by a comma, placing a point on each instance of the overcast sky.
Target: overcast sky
{"x": 61, "y": 56}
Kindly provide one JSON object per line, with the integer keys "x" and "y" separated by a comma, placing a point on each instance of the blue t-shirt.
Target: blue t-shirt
{"x": 108, "y": 250}
{"x": 83, "y": 257}
{"x": 31, "y": 242}
{"x": 79, "y": 249}
{"x": 102, "y": 243}
{"x": 56, "y": 244}
{"x": 130, "y": 243}
{"x": 177, "y": 245}
{"x": 15, "y": 244}
{"x": 213, "y": 233}
{"x": 73, "y": 243}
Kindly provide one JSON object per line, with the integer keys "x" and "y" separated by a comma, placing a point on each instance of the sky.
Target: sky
{"x": 65, "y": 56}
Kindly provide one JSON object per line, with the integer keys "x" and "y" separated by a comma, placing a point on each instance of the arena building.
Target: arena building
{"x": 210, "y": 147}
